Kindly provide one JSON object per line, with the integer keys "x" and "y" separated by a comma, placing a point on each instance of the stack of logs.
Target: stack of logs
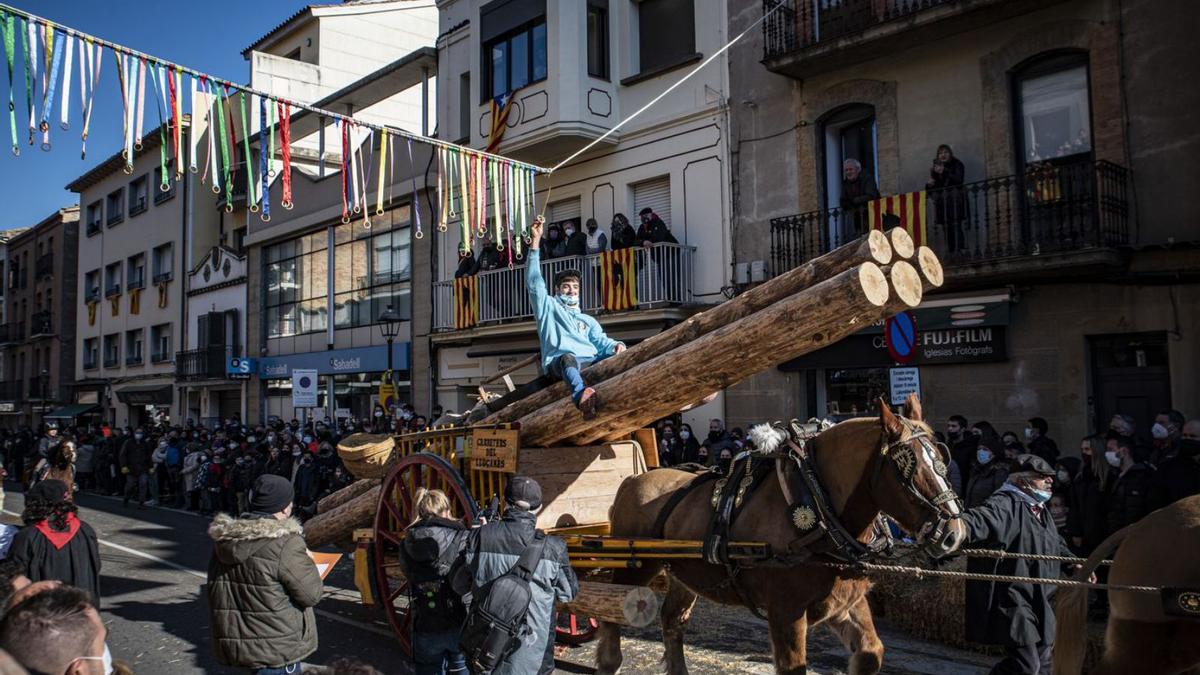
{"x": 800, "y": 311}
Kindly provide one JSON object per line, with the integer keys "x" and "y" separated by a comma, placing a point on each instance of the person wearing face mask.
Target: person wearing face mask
{"x": 623, "y": 235}
{"x": 135, "y": 465}
{"x": 307, "y": 485}
{"x": 576, "y": 240}
{"x": 989, "y": 472}
{"x": 597, "y": 241}
{"x": 670, "y": 450}
{"x": 1130, "y": 497}
{"x": 1165, "y": 434}
{"x": 1017, "y": 616}
{"x": 570, "y": 340}
{"x": 1012, "y": 445}
{"x": 553, "y": 245}
{"x": 690, "y": 452}
{"x": 79, "y": 644}
{"x": 1179, "y": 475}
{"x": 1087, "y": 522}
{"x": 962, "y": 444}
{"x": 1038, "y": 442}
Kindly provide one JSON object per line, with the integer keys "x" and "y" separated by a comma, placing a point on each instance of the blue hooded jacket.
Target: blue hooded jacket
{"x": 561, "y": 329}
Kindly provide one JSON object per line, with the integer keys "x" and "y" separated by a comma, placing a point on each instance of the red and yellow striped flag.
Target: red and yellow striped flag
{"x": 909, "y": 208}
{"x": 618, "y": 280}
{"x": 466, "y": 302}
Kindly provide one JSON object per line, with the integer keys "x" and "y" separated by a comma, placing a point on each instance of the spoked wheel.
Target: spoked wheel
{"x": 575, "y": 630}
{"x": 394, "y": 514}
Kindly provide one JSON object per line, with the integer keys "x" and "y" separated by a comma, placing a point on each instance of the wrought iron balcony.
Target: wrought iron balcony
{"x": 44, "y": 266}
{"x": 41, "y": 323}
{"x": 111, "y": 361}
{"x": 207, "y": 363}
{"x": 663, "y": 272}
{"x": 134, "y": 359}
{"x": 1047, "y": 210}
{"x": 112, "y": 290}
{"x": 13, "y": 331}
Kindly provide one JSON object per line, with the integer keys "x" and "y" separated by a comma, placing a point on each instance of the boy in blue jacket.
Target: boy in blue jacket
{"x": 570, "y": 340}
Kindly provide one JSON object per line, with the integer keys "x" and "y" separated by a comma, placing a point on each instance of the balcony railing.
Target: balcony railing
{"x": 112, "y": 290}
{"x": 207, "y": 363}
{"x": 803, "y": 23}
{"x": 93, "y": 227}
{"x": 13, "y": 331}
{"x": 44, "y": 266}
{"x": 111, "y": 361}
{"x": 1048, "y": 209}
{"x": 90, "y": 362}
{"x": 41, "y": 323}
{"x": 10, "y": 390}
{"x": 664, "y": 277}
{"x": 133, "y": 359}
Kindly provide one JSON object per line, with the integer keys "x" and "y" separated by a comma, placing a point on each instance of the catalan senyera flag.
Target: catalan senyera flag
{"x": 501, "y": 105}
{"x": 909, "y": 208}
{"x": 135, "y": 301}
{"x": 92, "y": 311}
{"x": 466, "y": 302}
{"x": 618, "y": 280}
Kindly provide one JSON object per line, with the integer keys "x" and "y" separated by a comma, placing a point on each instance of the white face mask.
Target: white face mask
{"x": 1028, "y": 433}
{"x": 570, "y": 231}
{"x": 685, "y": 434}
{"x": 1064, "y": 476}
{"x": 1113, "y": 459}
{"x": 1158, "y": 431}
{"x": 106, "y": 660}
{"x": 570, "y": 300}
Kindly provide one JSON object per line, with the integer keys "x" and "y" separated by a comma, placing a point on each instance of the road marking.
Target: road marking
{"x": 202, "y": 575}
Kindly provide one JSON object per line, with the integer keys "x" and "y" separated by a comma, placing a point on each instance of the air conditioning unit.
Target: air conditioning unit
{"x": 741, "y": 273}
{"x": 758, "y": 271}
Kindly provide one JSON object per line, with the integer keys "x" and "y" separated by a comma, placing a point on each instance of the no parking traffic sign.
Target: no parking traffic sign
{"x": 900, "y": 335}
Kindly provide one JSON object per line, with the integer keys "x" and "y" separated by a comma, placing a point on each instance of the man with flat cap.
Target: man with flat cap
{"x": 1017, "y": 616}
{"x": 262, "y": 586}
{"x": 492, "y": 550}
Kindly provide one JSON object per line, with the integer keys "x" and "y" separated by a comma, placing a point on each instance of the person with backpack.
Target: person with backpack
{"x": 431, "y": 546}
{"x": 517, "y": 574}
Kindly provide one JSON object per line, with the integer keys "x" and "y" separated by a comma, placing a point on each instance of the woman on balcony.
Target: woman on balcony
{"x": 949, "y": 202}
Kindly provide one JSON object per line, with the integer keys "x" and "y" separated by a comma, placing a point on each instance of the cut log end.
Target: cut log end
{"x": 878, "y": 247}
{"x": 902, "y": 243}
{"x": 930, "y": 266}
{"x": 874, "y": 283}
{"x": 906, "y": 282}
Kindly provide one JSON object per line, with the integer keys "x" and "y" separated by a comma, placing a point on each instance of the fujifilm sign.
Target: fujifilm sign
{"x": 342, "y": 365}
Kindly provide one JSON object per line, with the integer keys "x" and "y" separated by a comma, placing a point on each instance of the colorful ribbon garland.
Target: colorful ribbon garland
{"x": 285, "y": 138}
{"x": 64, "y": 113}
{"x": 264, "y": 159}
{"x": 416, "y": 205}
{"x": 9, "y": 57}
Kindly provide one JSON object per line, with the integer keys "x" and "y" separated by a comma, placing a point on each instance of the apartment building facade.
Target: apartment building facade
{"x": 568, "y": 73}
{"x": 1069, "y": 242}
{"x": 135, "y": 227}
{"x": 38, "y": 331}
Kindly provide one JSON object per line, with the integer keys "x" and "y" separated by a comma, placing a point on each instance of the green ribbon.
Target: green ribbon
{"x": 251, "y": 198}
{"x": 28, "y": 78}
{"x": 7, "y": 27}
{"x": 224, "y": 144}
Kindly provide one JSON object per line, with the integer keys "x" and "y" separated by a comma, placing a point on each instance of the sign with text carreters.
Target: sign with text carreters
{"x": 495, "y": 450}
{"x": 904, "y": 381}
{"x": 304, "y": 388}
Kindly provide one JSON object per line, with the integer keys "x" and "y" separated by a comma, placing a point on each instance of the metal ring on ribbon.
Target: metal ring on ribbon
{"x": 442, "y": 227}
{"x": 345, "y": 220}
{"x": 419, "y": 235}
{"x": 379, "y": 210}
{"x": 64, "y": 126}
{"x": 228, "y": 207}
{"x": 17, "y": 152}
{"x": 43, "y": 127}
{"x": 46, "y": 146}
{"x": 287, "y": 204}
{"x": 266, "y": 217}
{"x": 254, "y": 208}
{"x": 164, "y": 187}
{"x": 194, "y": 169}
{"x": 216, "y": 190}
{"x": 128, "y": 169}
{"x": 137, "y": 145}
{"x": 366, "y": 223}
{"x": 357, "y": 210}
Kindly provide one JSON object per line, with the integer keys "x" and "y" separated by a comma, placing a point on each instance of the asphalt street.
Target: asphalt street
{"x": 154, "y": 563}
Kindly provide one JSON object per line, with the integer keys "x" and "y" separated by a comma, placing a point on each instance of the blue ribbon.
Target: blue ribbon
{"x": 264, "y": 159}
{"x": 52, "y": 86}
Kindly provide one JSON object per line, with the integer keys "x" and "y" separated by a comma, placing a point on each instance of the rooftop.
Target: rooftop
{"x": 66, "y": 214}
{"x": 310, "y": 11}
{"x": 114, "y": 163}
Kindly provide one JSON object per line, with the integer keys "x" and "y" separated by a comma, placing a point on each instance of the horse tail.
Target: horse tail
{"x": 1071, "y": 610}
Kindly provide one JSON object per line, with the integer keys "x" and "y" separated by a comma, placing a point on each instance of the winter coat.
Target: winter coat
{"x": 1130, "y": 497}
{"x": 963, "y": 452}
{"x": 691, "y": 450}
{"x": 262, "y": 587}
{"x": 623, "y": 237}
{"x": 1178, "y": 476}
{"x": 949, "y": 204}
{"x": 467, "y": 266}
{"x": 985, "y": 480}
{"x": 655, "y": 232}
{"x": 431, "y": 546}
{"x": 597, "y": 242}
{"x": 72, "y": 557}
{"x": 306, "y": 483}
{"x": 561, "y": 329}
{"x": 1045, "y": 448}
{"x": 492, "y": 550}
{"x": 1012, "y": 613}
{"x": 1088, "y": 517}
{"x": 577, "y": 244}
{"x": 135, "y": 456}
{"x": 554, "y": 248}
{"x": 191, "y": 465}
{"x": 85, "y": 456}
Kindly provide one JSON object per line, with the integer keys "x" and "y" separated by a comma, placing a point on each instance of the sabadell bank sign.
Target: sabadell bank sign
{"x": 357, "y": 360}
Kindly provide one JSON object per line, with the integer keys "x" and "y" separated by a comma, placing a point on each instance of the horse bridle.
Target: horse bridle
{"x": 901, "y": 455}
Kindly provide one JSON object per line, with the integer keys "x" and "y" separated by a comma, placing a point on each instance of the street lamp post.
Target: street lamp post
{"x": 389, "y": 327}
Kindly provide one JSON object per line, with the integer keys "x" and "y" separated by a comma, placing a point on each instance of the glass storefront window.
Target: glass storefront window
{"x": 355, "y": 392}
{"x": 854, "y": 392}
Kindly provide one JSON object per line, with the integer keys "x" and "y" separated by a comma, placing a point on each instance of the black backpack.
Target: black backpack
{"x": 496, "y": 620}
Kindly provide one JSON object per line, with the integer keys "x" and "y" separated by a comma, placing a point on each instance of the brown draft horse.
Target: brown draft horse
{"x": 866, "y": 466}
{"x": 1162, "y": 549}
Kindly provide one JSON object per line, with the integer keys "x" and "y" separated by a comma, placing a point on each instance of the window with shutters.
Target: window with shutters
{"x": 561, "y": 211}
{"x": 653, "y": 194}
{"x": 666, "y": 36}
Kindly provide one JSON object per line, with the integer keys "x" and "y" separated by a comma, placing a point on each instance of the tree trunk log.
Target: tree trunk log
{"x": 615, "y": 603}
{"x": 338, "y": 524}
{"x": 801, "y": 323}
{"x": 906, "y": 283}
{"x": 930, "y": 267}
{"x": 902, "y": 242}
{"x": 873, "y": 247}
{"x": 344, "y": 495}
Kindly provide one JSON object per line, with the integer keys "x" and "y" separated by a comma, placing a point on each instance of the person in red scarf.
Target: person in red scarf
{"x": 55, "y": 544}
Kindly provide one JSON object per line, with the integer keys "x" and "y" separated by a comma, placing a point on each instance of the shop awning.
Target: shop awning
{"x": 70, "y": 412}
{"x": 150, "y": 394}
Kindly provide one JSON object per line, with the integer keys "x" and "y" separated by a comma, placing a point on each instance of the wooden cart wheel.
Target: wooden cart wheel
{"x": 575, "y": 630}
{"x": 392, "y": 517}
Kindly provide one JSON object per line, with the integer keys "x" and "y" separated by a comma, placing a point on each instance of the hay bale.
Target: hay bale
{"x": 930, "y": 608}
{"x": 367, "y": 455}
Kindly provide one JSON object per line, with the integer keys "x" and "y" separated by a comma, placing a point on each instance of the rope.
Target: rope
{"x": 921, "y": 573}
{"x": 992, "y": 553}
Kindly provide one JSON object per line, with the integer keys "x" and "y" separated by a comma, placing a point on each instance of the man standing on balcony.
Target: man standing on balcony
{"x": 858, "y": 189}
{"x": 570, "y": 340}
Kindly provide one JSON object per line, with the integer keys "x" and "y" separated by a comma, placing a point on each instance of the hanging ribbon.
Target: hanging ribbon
{"x": 464, "y": 188}
{"x": 285, "y": 140}
{"x": 271, "y": 148}
{"x": 383, "y": 148}
{"x": 139, "y": 102}
{"x": 50, "y": 84}
{"x": 225, "y": 158}
{"x": 345, "y": 128}
{"x": 177, "y": 120}
{"x": 95, "y": 56}
{"x": 63, "y": 119}
{"x": 264, "y": 160}
{"x": 210, "y": 158}
{"x": 498, "y": 225}
{"x": 164, "y": 184}
{"x": 131, "y": 80}
{"x": 194, "y": 138}
{"x": 364, "y": 174}
{"x": 416, "y": 205}
{"x": 441, "y": 192}
{"x": 251, "y": 198}
{"x": 9, "y": 57}
{"x": 31, "y": 75}
{"x": 227, "y": 111}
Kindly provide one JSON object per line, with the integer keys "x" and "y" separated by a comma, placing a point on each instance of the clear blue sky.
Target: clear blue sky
{"x": 208, "y": 36}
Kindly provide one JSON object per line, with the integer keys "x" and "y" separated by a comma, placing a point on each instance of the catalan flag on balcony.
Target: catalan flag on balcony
{"x": 906, "y": 210}
{"x": 501, "y": 105}
{"x": 91, "y": 305}
{"x": 135, "y": 301}
{"x": 466, "y": 302}
{"x": 618, "y": 280}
